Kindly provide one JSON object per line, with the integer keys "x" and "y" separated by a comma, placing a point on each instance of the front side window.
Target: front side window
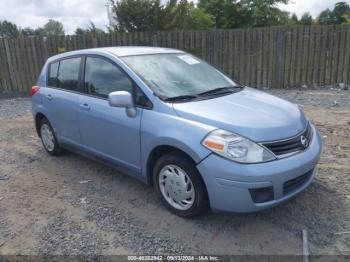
{"x": 176, "y": 75}
{"x": 102, "y": 78}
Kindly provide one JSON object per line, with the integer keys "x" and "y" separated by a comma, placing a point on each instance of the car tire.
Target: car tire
{"x": 175, "y": 177}
{"x": 48, "y": 138}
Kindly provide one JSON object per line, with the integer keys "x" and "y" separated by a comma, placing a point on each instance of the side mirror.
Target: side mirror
{"x": 123, "y": 99}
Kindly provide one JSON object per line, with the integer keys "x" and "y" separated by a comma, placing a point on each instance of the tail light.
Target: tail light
{"x": 33, "y": 90}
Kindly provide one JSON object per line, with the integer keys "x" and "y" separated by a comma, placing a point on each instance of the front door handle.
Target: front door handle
{"x": 85, "y": 106}
{"x": 49, "y": 97}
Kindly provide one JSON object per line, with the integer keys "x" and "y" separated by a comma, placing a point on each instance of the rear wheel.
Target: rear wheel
{"x": 48, "y": 138}
{"x": 180, "y": 185}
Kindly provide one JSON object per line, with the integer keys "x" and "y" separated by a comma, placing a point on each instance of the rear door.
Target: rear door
{"x": 61, "y": 99}
{"x": 107, "y": 131}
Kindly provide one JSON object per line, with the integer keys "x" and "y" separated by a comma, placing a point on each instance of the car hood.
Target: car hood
{"x": 250, "y": 113}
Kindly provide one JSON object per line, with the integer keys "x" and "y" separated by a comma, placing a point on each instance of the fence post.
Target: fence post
{"x": 45, "y": 51}
{"x": 10, "y": 65}
{"x": 215, "y": 47}
{"x": 155, "y": 39}
{"x": 94, "y": 42}
{"x": 278, "y": 58}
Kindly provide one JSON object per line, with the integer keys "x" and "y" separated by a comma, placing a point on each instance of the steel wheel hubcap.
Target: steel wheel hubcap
{"x": 47, "y": 137}
{"x": 176, "y": 187}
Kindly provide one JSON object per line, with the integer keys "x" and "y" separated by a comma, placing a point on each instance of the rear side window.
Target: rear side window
{"x": 53, "y": 74}
{"x": 102, "y": 78}
{"x": 65, "y": 74}
{"x": 68, "y": 74}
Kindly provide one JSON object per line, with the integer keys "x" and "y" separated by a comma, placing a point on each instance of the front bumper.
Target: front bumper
{"x": 229, "y": 184}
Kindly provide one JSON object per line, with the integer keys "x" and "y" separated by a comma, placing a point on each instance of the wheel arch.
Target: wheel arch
{"x": 160, "y": 150}
{"x": 38, "y": 117}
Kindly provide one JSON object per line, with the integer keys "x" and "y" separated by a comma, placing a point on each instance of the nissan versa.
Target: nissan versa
{"x": 175, "y": 122}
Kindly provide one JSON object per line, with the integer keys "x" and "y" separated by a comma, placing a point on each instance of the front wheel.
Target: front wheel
{"x": 180, "y": 185}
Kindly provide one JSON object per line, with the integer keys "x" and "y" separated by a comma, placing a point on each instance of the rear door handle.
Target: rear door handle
{"x": 85, "y": 106}
{"x": 49, "y": 97}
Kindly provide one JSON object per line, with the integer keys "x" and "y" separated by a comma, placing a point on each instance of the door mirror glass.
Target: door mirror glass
{"x": 123, "y": 99}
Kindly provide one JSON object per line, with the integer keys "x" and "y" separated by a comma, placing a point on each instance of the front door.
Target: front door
{"x": 107, "y": 131}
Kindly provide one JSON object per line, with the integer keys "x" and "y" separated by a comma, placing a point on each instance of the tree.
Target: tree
{"x": 293, "y": 20}
{"x": 27, "y": 31}
{"x": 92, "y": 29}
{"x": 245, "y": 13}
{"x": 8, "y": 29}
{"x": 265, "y": 12}
{"x": 135, "y": 15}
{"x": 188, "y": 17}
{"x": 197, "y": 19}
{"x": 80, "y": 31}
{"x": 347, "y": 18}
{"x": 306, "y": 19}
{"x": 336, "y": 16}
{"x": 151, "y": 15}
{"x": 226, "y": 13}
{"x": 52, "y": 27}
{"x": 340, "y": 10}
{"x": 325, "y": 17}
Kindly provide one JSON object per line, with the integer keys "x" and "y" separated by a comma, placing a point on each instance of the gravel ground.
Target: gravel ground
{"x": 70, "y": 205}
{"x": 12, "y": 108}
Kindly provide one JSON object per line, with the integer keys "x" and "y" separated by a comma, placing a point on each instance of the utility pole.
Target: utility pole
{"x": 111, "y": 18}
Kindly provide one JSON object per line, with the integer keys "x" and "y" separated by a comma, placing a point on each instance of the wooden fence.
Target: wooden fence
{"x": 261, "y": 57}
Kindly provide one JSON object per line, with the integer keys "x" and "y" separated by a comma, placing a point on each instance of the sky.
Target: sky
{"x": 78, "y": 13}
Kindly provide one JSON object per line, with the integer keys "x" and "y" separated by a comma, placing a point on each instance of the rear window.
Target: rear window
{"x": 65, "y": 74}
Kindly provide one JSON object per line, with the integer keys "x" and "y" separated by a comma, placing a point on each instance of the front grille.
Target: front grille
{"x": 295, "y": 183}
{"x": 291, "y": 145}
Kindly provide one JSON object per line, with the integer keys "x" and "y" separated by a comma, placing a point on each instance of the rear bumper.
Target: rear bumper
{"x": 230, "y": 184}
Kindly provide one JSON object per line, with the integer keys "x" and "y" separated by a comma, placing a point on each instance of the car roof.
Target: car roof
{"x": 138, "y": 50}
{"x": 121, "y": 51}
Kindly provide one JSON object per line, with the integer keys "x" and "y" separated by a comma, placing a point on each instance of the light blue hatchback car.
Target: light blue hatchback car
{"x": 173, "y": 121}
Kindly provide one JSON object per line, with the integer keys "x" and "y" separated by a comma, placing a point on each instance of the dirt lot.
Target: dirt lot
{"x": 72, "y": 205}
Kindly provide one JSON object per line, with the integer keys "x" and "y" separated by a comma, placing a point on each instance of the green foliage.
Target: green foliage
{"x": 51, "y": 28}
{"x": 245, "y": 13}
{"x": 347, "y": 18}
{"x": 157, "y": 15}
{"x": 197, "y": 19}
{"x": 226, "y": 14}
{"x": 151, "y": 15}
{"x": 28, "y": 31}
{"x": 80, "y": 31}
{"x": 265, "y": 12}
{"x": 138, "y": 15}
{"x": 293, "y": 20}
{"x": 8, "y": 29}
{"x": 326, "y": 17}
{"x": 336, "y": 16}
{"x": 340, "y": 10}
{"x": 306, "y": 19}
{"x": 189, "y": 17}
{"x": 92, "y": 29}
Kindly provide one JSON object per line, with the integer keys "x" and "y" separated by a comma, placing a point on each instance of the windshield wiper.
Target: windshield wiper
{"x": 220, "y": 90}
{"x": 180, "y": 98}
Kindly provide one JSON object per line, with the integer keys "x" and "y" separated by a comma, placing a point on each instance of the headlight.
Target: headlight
{"x": 236, "y": 148}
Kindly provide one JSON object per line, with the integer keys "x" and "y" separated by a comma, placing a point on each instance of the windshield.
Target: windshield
{"x": 178, "y": 75}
